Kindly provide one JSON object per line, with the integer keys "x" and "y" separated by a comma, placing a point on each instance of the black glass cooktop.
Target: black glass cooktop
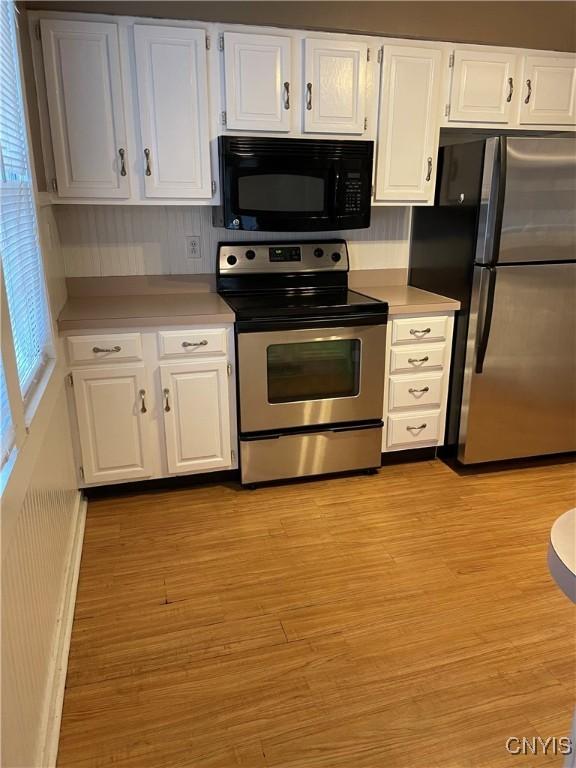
{"x": 277, "y": 305}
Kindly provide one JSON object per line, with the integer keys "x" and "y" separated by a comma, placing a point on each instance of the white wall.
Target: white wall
{"x": 131, "y": 240}
{"x": 40, "y": 517}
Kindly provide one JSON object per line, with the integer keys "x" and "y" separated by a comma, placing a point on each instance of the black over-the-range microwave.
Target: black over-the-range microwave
{"x": 294, "y": 185}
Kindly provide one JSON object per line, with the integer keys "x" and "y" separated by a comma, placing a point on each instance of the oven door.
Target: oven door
{"x": 298, "y": 378}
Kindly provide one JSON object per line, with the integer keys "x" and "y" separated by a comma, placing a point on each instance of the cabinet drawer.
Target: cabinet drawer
{"x": 421, "y": 427}
{"x": 416, "y": 359}
{"x": 411, "y": 392}
{"x": 419, "y": 329}
{"x": 193, "y": 343}
{"x": 105, "y": 348}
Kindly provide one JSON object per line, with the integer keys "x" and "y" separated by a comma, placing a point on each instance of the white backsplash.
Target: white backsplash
{"x": 100, "y": 240}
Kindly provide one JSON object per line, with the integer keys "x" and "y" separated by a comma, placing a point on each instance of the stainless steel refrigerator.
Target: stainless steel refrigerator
{"x": 501, "y": 238}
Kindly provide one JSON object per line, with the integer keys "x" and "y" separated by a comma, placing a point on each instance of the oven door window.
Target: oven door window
{"x": 315, "y": 370}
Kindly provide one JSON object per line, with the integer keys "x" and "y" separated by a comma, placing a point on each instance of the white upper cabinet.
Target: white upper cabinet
{"x": 195, "y": 404}
{"x": 483, "y": 86}
{"x": 172, "y": 85}
{"x": 548, "y": 95}
{"x": 114, "y": 423}
{"x": 335, "y": 86}
{"x": 86, "y": 108}
{"x": 257, "y": 74}
{"x": 409, "y": 124}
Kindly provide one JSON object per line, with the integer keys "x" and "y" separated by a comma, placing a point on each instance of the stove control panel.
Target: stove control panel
{"x": 272, "y": 258}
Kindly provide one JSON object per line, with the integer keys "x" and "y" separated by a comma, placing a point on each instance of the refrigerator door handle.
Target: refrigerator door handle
{"x": 485, "y": 318}
{"x": 492, "y": 201}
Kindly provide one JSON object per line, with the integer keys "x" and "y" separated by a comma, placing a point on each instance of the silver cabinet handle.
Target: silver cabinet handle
{"x": 166, "y": 393}
{"x": 106, "y": 349}
{"x": 414, "y": 391}
{"x": 308, "y": 96}
{"x": 418, "y": 359}
{"x": 510, "y": 89}
{"x": 122, "y": 153}
{"x": 429, "y": 174}
{"x": 148, "y": 172}
{"x": 417, "y": 332}
{"x": 529, "y": 86}
{"x": 202, "y": 343}
{"x": 142, "y": 395}
{"x": 286, "y": 95}
{"x": 417, "y": 429}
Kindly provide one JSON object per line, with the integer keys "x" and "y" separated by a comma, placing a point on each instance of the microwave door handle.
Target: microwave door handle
{"x": 336, "y": 191}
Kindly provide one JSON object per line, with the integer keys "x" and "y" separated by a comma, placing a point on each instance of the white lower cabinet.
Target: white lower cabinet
{"x": 196, "y": 415}
{"x": 418, "y": 351}
{"x": 113, "y": 423}
{"x": 155, "y": 418}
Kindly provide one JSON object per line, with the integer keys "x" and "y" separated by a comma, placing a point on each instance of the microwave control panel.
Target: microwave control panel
{"x": 352, "y": 192}
{"x": 266, "y": 258}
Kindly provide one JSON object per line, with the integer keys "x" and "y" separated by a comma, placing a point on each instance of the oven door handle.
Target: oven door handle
{"x": 312, "y": 429}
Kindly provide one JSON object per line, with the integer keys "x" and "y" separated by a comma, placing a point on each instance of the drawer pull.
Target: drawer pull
{"x": 106, "y": 349}
{"x": 419, "y": 332}
{"x": 414, "y": 391}
{"x": 417, "y": 429}
{"x": 202, "y": 343}
{"x": 166, "y": 393}
{"x": 418, "y": 359}
{"x": 142, "y": 395}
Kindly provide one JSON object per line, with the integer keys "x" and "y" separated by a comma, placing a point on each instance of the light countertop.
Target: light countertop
{"x": 82, "y": 313}
{"x": 96, "y": 303}
{"x": 406, "y": 300}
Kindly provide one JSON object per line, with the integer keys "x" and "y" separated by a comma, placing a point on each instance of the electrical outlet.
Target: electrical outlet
{"x": 192, "y": 247}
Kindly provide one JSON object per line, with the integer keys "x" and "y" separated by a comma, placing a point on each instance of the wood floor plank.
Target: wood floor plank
{"x": 404, "y": 620}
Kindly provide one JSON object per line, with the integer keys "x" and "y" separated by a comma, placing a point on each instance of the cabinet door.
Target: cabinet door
{"x": 173, "y": 98}
{"x": 84, "y": 88}
{"x": 482, "y": 87}
{"x": 408, "y": 138}
{"x": 196, "y": 410}
{"x": 257, "y": 81}
{"x": 335, "y": 90}
{"x": 548, "y": 94}
{"x": 114, "y": 423}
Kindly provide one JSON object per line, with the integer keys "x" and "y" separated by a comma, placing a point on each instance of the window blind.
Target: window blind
{"x": 19, "y": 245}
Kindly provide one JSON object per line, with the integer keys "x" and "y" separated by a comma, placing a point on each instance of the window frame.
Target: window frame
{"x": 23, "y": 408}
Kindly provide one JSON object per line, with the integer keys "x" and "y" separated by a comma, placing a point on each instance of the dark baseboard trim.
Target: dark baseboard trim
{"x": 412, "y": 454}
{"x": 162, "y": 484}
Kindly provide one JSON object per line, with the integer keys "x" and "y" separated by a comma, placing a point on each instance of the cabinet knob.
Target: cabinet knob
{"x": 419, "y": 332}
{"x": 202, "y": 343}
{"x": 418, "y": 359}
{"x": 166, "y": 393}
{"x": 529, "y": 86}
{"x": 142, "y": 395}
{"x": 147, "y": 170}
{"x": 417, "y": 429}
{"x": 429, "y": 174}
{"x": 414, "y": 391}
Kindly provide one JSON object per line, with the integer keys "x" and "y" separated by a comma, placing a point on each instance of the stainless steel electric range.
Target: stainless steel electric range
{"x": 310, "y": 359}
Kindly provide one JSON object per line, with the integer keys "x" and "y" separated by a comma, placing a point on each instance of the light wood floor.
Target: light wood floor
{"x": 406, "y": 619}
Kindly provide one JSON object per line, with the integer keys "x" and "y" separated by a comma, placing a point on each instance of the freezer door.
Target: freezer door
{"x": 519, "y": 396}
{"x": 538, "y": 214}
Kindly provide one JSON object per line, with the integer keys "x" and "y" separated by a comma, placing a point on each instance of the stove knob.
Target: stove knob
{"x": 231, "y": 260}
{"x": 318, "y": 252}
{"x": 250, "y": 254}
{"x": 336, "y": 256}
